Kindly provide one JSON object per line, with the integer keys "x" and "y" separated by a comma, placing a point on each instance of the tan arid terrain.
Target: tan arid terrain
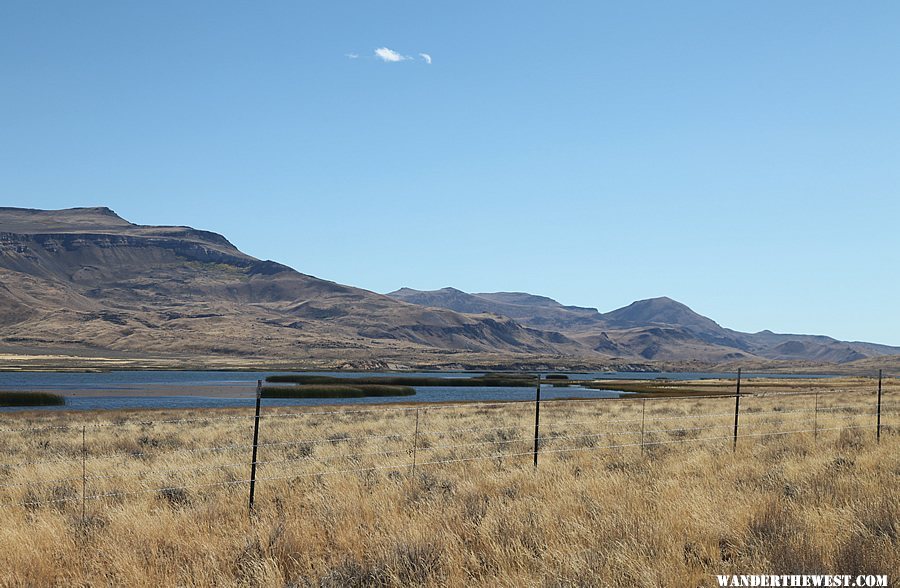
{"x": 85, "y": 280}
{"x": 627, "y": 493}
{"x": 84, "y": 288}
{"x": 657, "y": 329}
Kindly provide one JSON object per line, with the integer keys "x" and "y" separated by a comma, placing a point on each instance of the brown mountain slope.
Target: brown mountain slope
{"x": 86, "y": 277}
{"x": 535, "y": 311}
{"x": 86, "y": 281}
{"x": 657, "y": 329}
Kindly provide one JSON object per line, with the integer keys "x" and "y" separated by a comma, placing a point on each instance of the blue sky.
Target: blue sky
{"x": 742, "y": 157}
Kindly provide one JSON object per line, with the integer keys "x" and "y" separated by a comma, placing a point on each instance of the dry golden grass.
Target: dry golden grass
{"x": 599, "y": 510}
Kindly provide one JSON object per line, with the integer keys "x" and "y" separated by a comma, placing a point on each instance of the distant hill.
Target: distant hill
{"x": 658, "y": 329}
{"x": 659, "y": 311}
{"x": 536, "y": 311}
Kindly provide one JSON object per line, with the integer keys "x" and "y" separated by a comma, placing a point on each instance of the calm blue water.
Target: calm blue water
{"x": 138, "y": 379}
{"x": 126, "y": 380}
{"x": 423, "y": 394}
{"x": 243, "y": 384}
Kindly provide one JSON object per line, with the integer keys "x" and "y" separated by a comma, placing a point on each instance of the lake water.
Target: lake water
{"x": 133, "y": 389}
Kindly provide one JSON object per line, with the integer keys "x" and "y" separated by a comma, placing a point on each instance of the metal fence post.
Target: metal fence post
{"x": 737, "y": 409}
{"x": 816, "y": 420}
{"x": 878, "y": 421}
{"x": 643, "y": 410}
{"x": 255, "y": 445}
{"x": 83, "y": 470}
{"x": 537, "y": 418}
{"x": 415, "y": 445}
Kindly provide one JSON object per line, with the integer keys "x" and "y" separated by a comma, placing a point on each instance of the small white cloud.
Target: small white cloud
{"x": 352, "y": 55}
{"x": 389, "y": 55}
{"x": 426, "y": 57}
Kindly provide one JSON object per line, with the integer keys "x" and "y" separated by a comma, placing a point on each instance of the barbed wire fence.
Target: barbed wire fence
{"x": 118, "y": 459}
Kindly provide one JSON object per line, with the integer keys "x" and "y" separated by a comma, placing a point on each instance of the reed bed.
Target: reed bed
{"x": 628, "y": 492}
{"x": 335, "y": 391}
{"x": 31, "y": 399}
{"x": 485, "y": 380}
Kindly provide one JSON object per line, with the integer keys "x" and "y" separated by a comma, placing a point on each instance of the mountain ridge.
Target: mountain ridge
{"x": 89, "y": 282}
{"x": 88, "y": 277}
{"x": 653, "y": 328}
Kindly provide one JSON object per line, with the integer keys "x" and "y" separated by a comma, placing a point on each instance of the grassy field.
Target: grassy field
{"x": 710, "y": 387}
{"x": 338, "y": 503}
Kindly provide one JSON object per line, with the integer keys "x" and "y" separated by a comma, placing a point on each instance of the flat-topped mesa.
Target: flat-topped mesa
{"x": 29, "y": 220}
{"x": 99, "y": 220}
